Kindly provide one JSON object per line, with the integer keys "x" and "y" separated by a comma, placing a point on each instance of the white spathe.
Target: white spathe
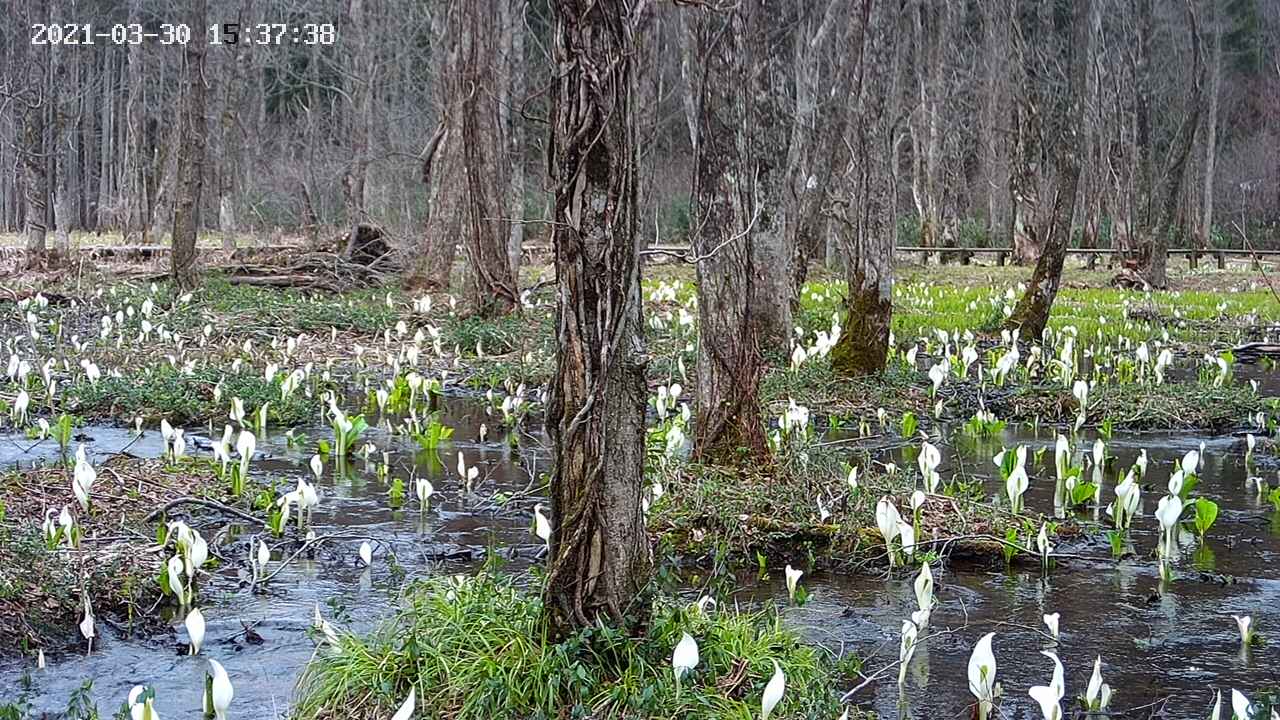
{"x": 773, "y": 691}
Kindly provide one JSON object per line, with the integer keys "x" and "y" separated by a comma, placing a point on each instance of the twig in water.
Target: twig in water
{"x": 316, "y": 541}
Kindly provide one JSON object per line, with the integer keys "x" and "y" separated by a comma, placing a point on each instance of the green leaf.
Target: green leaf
{"x": 909, "y": 424}
{"x": 1206, "y": 514}
{"x": 1082, "y": 493}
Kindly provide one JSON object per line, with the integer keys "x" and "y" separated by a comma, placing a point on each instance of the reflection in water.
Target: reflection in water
{"x": 1177, "y": 642}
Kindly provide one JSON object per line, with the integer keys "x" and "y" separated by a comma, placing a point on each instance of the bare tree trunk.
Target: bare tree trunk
{"x": 61, "y": 89}
{"x": 766, "y": 138}
{"x": 360, "y": 89}
{"x": 1032, "y": 311}
{"x": 34, "y": 149}
{"x": 190, "y": 167}
{"x": 724, "y": 214}
{"x": 106, "y": 146}
{"x": 599, "y": 562}
{"x": 442, "y": 164}
{"x": 164, "y": 146}
{"x": 1024, "y": 185}
{"x": 1144, "y": 176}
{"x": 930, "y": 22}
{"x": 493, "y": 289}
{"x": 994, "y": 174}
{"x": 650, "y": 92}
{"x": 1155, "y": 257}
{"x": 810, "y": 158}
{"x": 1093, "y": 171}
{"x": 62, "y": 187}
{"x": 34, "y": 179}
{"x": 134, "y": 212}
{"x": 229, "y": 145}
{"x": 864, "y": 211}
{"x": 514, "y": 68}
{"x": 1204, "y": 231}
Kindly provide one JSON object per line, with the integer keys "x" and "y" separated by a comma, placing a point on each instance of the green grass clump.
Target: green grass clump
{"x": 475, "y": 649}
{"x": 515, "y": 347}
{"x": 161, "y": 391}
{"x": 815, "y": 385}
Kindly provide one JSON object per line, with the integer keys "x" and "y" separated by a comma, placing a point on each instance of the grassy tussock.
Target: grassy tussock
{"x": 474, "y": 649}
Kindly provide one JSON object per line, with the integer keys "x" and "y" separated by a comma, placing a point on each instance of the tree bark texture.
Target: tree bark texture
{"x": 930, "y": 21}
{"x": 766, "y": 133}
{"x": 442, "y": 165}
{"x": 31, "y": 103}
{"x": 863, "y": 210}
{"x": 190, "y": 162}
{"x": 1204, "y": 231}
{"x": 1158, "y": 194}
{"x": 35, "y": 181}
{"x": 599, "y": 562}
{"x": 513, "y": 86}
{"x": 1028, "y": 152}
{"x": 725, "y": 212}
{"x": 360, "y": 82}
{"x": 492, "y": 287}
{"x": 815, "y": 127}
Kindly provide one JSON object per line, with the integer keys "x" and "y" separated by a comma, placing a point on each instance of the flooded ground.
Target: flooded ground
{"x": 1172, "y": 646}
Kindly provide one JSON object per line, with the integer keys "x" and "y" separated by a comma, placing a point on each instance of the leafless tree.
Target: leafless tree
{"x": 492, "y": 289}
{"x": 29, "y": 96}
{"x": 815, "y": 129}
{"x": 1064, "y": 78}
{"x": 311, "y": 138}
{"x": 862, "y": 206}
{"x": 190, "y": 162}
{"x": 931, "y": 25}
{"x": 191, "y": 159}
{"x": 442, "y": 162}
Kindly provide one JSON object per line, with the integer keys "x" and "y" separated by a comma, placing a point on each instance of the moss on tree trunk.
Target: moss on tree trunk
{"x": 863, "y": 348}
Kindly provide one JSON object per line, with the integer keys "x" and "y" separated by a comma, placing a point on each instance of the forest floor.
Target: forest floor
{"x": 181, "y": 359}
{"x": 41, "y": 586}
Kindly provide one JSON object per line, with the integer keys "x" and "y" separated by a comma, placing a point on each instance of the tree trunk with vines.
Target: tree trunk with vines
{"x": 599, "y": 562}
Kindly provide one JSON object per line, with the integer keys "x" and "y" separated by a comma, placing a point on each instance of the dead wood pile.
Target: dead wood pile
{"x": 336, "y": 265}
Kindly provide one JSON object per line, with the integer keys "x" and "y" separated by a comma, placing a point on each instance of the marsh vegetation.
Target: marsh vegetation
{"x": 778, "y": 387}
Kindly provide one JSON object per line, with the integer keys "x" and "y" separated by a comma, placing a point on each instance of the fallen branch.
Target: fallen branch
{"x": 212, "y": 504}
{"x": 314, "y": 542}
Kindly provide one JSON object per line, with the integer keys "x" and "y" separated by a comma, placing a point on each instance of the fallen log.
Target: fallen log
{"x": 1255, "y": 351}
